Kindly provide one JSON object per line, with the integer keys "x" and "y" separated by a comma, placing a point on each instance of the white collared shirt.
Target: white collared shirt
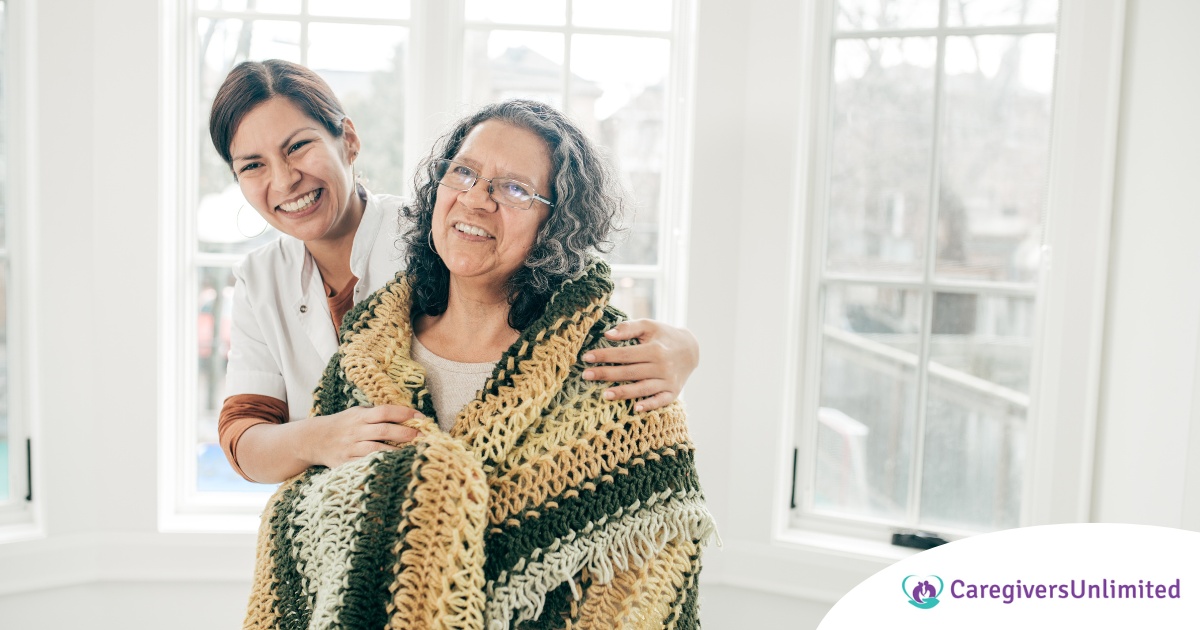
{"x": 282, "y": 334}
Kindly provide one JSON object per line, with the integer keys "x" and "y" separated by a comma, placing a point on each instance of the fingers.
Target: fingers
{"x": 641, "y": 353}
{"x": 403, "y": 435}
{"x": 383, "y": 437}
{"x": 657, "y": 401}
{"x": 640, "y": 389}
{"x": 389, "y": 413}
{"x": 362, "y": 449}
{"x": 631, "y": 329}
{"x": 617, "y": 373}
{"x": 386, "y": 432}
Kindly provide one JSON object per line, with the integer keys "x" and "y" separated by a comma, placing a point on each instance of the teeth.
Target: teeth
{"x": 471, "y": 229}
{"x": 300, "y": 203}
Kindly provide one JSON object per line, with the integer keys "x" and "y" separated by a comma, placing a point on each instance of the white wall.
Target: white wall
{"x": 1148, "y": 407}
{"x": 104, "y": 565}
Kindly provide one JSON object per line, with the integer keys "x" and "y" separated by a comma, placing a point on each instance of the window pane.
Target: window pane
{"x": 984, "y": 340}
{"x": 995, "y": 156}
{"x": 263, "y": 6}
{"x": 226, "y": 43}
{"x": 635, "y": 296}
{"x": 224, "y": 221}
{"x": 866, "y": 15}
{"x": 876, "y": 315}
{"x": 499, "y": 65}
{"x": 881, "y": 155}
{"x": 974, "y": 458}
{"x": 382, "y": 9}
{"x": 618, "y": 97}
{"x": 654, "y": 15}
{"x": 366, "y": 67}
{"x": 866, "y": 420}
{"x": 213, "y": 315}
{"x": 549, "y": 12}
{"x": 1001, "y": 12}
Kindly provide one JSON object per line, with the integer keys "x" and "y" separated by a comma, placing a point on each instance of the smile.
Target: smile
{"x": 472, "y": 230}
{"x": 301, "y": 203}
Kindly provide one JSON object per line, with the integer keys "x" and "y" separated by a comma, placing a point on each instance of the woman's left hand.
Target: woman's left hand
{"x": 658, "y": 366}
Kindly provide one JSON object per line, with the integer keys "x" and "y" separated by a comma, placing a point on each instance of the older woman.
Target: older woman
{"x": 292, "y": 149}
{"x": 546, "y": 503}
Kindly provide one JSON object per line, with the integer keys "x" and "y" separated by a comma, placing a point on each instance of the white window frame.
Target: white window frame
{"x": 824, "y": 565}
{"x": 20, "y": 516}
{"x": 928, "y": 286}
{"x": 436, "y": 36}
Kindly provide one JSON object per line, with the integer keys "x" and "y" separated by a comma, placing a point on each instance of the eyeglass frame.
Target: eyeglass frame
{"x": 491, "y": 185}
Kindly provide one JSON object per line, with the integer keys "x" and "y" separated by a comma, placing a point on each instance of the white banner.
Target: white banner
{"x": 1091, "y": 575}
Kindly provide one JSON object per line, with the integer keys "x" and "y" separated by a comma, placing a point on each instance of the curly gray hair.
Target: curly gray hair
{"x": 587, "y": 203}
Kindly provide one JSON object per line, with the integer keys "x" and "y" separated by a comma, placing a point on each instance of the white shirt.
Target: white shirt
{"x": 282, "y": 334}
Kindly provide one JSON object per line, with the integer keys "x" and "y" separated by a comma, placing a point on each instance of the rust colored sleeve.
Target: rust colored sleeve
{"x": 241, "y": 412}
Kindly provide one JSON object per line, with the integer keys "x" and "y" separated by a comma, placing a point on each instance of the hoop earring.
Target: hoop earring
{"x": 238, "y": 222}
{"x": 429, "y": 239}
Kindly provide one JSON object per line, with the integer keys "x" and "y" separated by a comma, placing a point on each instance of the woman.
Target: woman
{"x": 546, "y": 505}
{"x": 292, "y": 149}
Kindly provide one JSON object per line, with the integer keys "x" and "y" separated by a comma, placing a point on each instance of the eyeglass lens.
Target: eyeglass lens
{"x": 508, "y": 192}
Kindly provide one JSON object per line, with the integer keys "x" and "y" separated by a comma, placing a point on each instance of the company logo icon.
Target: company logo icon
{"x": 920, "y": 590}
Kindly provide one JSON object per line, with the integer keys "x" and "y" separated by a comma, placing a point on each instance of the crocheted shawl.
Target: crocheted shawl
{"x": 545, "y": 506}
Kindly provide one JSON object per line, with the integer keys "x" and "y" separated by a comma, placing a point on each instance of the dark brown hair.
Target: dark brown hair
{"x": 253, "y": 82}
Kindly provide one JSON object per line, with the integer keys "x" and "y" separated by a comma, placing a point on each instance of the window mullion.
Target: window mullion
{"x": 969, "y": 31}
{"x": 572, "y": 28}
{"x": 916, "y": 473}
{"x": 304, "y": 33}
{"x": 568, "y": 37}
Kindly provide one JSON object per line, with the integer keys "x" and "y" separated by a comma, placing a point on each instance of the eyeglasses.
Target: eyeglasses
{"x": 504, "y": 191}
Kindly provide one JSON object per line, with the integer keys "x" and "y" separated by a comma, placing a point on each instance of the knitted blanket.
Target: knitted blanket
{"x": 545, "y": 506}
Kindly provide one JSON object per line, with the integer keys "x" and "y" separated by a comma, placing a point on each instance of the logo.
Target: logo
{"x": 920, "y": 590}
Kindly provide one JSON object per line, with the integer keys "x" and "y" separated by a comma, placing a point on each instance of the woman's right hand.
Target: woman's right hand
{"x": 356, "y": 432}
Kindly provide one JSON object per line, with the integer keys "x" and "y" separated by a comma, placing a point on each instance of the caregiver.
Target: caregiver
{"x": 292, "y": 149}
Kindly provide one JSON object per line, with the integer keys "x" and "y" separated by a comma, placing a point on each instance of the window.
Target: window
{"x": 361, "y": 50}
{"x": 931, "y": 193}
{"x": 609, "y": 65}
{"x": 623, "y": 80}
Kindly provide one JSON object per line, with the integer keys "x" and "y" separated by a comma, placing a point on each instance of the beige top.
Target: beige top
{"x": 451, "y": 384}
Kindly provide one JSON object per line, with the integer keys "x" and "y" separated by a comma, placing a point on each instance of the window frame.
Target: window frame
{"x": 20, "y": 515}
{"x": 928, "y": 285}
{"x": 436, "y": 37}
{"x": 763, "y": 550}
